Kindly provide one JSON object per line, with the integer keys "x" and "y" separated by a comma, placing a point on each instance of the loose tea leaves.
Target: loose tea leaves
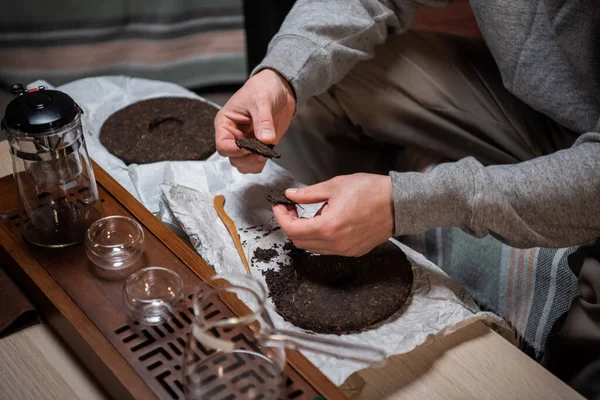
{"x": 264, "y": 255}
{"x": 257, "y": 147}
{"x": 334, "y": 294}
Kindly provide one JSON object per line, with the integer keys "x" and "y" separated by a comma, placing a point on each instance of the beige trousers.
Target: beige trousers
{"x": 422, "y": 94}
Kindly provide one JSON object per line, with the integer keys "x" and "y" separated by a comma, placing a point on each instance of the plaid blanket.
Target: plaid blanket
{"x": 529, "y": 288}
{"x": 191, "y": 43}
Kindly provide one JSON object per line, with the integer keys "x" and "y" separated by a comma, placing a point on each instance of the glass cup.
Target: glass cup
{"x": 243, "y": 356}
{"x": 150, "y": 295}
{"x": 114, "y": 242}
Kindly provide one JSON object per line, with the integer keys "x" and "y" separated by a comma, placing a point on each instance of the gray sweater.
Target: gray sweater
{"x": 548, "y": 52}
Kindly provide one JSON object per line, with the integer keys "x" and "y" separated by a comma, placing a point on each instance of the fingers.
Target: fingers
{"x": 262, "y": 120}
{"x": 317, "y": 235}
{"x": 312, "y": 194}
{"x": 228, "y": 127}
{"x": 283, "y": 215}
{"x": 226, "y": 131}
{"x": 319, "y": 228}
{"x": 227, "y": 147}
{"x": 312, "y": 246}
{"x": 248, "y": 164}
{"x": 294, "y": 227}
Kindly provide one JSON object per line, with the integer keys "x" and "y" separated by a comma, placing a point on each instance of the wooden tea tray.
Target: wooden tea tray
{"x": 130, "y": 361}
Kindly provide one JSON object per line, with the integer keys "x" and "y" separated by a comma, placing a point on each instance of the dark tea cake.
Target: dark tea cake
{"x": 279, "y": 197}
{"x": 162, "y": 129}
{"x": 257, "y": 147}
{"x": 334, "y": 294}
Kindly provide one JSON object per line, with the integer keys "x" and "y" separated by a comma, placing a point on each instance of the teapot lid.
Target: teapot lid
{"x": 39, "y": 110}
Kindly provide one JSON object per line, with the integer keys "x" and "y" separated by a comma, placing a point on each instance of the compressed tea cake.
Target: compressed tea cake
{"x": 334, "y": 294}
{"x": 162, "y": 129}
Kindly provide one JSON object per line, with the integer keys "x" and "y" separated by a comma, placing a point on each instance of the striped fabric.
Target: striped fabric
{"x": 529, "y": 288}
{"x": 189, "y": 42}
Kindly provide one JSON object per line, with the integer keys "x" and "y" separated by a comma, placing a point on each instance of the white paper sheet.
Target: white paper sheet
{"x": 438, "y": 304}
{"x": 99, "y": 98}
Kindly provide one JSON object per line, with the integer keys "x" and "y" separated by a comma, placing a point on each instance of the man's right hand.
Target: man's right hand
{"x": 262, "y": 108}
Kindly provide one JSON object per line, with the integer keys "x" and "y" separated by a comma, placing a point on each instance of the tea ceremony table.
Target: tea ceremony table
{"x": 472, "y": 363}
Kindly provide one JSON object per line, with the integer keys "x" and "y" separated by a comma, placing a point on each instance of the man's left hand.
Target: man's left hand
{"x": 358, "y": 215}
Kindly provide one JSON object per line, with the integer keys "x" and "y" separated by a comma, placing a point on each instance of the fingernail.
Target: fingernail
{"x": 267, "y": 134}
{"x": 261, "y": 158}
{"x": 291, "y": 191}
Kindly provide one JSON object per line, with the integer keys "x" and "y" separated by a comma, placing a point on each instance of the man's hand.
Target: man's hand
{"x": 357, "y": 217}
{"x": 262, "y": 108}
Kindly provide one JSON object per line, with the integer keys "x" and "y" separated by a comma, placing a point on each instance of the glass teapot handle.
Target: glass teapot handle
{"x": 302, "y": 341}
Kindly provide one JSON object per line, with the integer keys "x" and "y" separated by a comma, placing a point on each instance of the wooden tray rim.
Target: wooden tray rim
{"x": 44, "y": 289}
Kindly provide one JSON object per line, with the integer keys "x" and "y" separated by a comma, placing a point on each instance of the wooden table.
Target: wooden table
{"x": 473, "y": 362}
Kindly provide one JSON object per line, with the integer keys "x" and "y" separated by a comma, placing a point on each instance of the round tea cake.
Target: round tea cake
{"x": 334, "y": 294}
{"x": 162, "y": 129}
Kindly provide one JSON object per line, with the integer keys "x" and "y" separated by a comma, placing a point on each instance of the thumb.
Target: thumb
{"x": 311, "y": 194}
{"x": 262, "y": 119}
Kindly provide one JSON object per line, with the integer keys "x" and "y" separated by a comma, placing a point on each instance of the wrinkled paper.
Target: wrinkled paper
{"x": 182, "y": 193}
{"x": 99, "y": 98}
{"x": 438, "y": 305}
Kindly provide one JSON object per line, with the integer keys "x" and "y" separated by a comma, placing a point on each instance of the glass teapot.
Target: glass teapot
{"x": 243, "y": 356}
{"x": 55, "y": 180}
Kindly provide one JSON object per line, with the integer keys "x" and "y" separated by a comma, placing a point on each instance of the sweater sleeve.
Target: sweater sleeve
{"x": 551, "y": 201}
{"x": 320, "y": 41}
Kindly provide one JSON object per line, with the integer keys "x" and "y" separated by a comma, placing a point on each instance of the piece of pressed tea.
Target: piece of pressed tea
{"x": 257, "y": 147}
{"x": 279, "y": 197}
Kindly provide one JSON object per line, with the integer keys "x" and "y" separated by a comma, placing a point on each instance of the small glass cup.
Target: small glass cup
{"x": 243, "y": 356}
{"x": 114, "y": 242}
{"x": 151, "y": 294}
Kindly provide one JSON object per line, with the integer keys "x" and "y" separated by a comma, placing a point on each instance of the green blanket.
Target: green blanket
{"x": 529, "y": 288}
